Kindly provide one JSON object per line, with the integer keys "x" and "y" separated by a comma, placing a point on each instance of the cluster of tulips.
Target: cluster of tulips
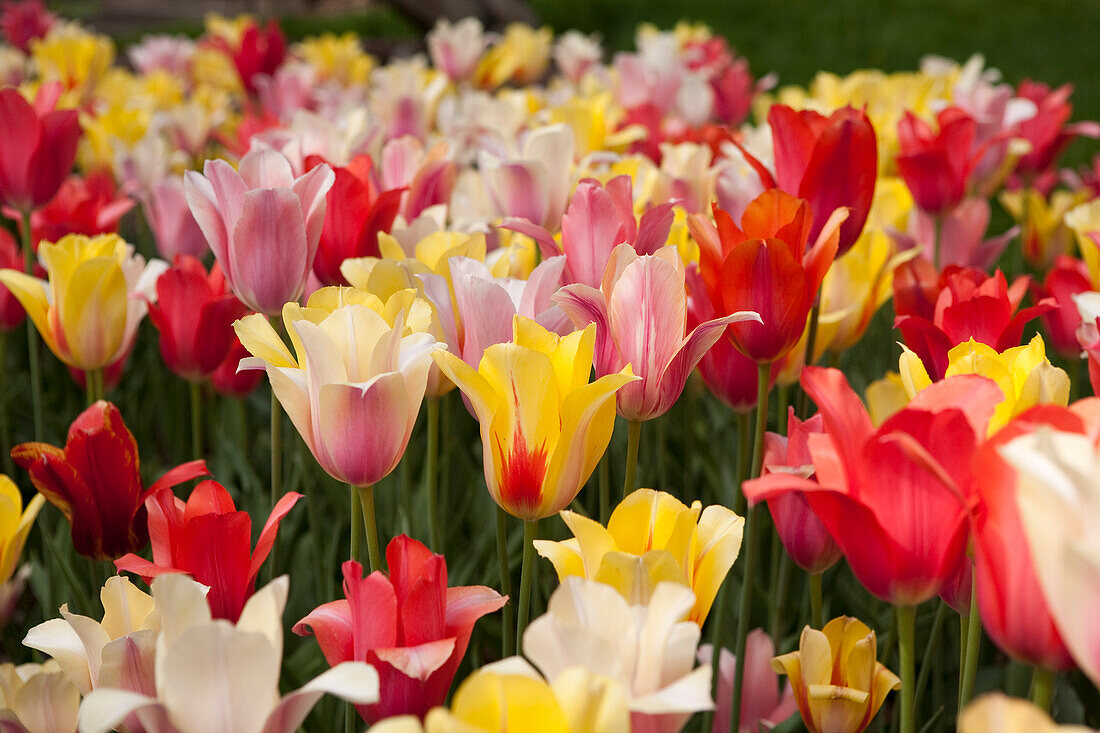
{"x": 536, "y": 244}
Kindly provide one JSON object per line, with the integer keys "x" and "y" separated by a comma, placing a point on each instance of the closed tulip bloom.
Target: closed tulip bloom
{"x": 89, "y": 310}
{"x": 410, "y": 627}
{"x": 767, "y": 266}
{"x": 543, "y": 426}
{"x": 641, "y": 319}
{"x": 1049, "y": 130}
{"x": 937, "y": 165}
{"x": 175, "y": 230}
{"x": 37, "y": 149}
{"x": 651, "y": 537}
{"x": 15, "y": 524}
{"x": 837, "y": 680}
{"x": 194, "y": 313}
{"x": 208, "y": 539}
{"x": 354, "y": 383}
{"x": 262, "y": 223}
{"x": 95, "y": 482}
{"x": 1059, "y": 504}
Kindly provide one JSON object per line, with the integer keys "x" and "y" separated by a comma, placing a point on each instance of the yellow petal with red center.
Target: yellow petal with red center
{"x": 493, "y": 702}
{"x": 91, "y": 312}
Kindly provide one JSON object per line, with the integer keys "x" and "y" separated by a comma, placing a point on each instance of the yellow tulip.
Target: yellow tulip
{"x": 1084, "y": 221}
{"x": 1024, "y": 374}
{"x": 114, "y": 127}
{"x": 89, "y": 309}
{"x": 339, "y": 58}
{"x": 520, "y": 57}
{"x": 544, "y": 427}
{"x": 1046, "y": 234}
{"x": 15, "y": 525}
{"x": 837, "y": 681}
{"x": 75, "y": 57}
{"x": 595, "y": 122}
{"x": 999, "y": 712}
{"x": 651, "y": 537}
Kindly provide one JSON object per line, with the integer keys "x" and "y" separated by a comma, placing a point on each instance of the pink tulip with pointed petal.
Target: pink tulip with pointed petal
{"x": 641, "y": 319}
{"x": 534, "y": 185}
{"x": 262, "y": 223}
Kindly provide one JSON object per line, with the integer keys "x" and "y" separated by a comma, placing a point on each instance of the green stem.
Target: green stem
{"x": 196, "y": 420}
{"x": 356, "y": 512}
{"x": 366, "y": 499}
{"x": 633, "y": 438}
{"x": 973, "y": 643}
{"x": 750, "y": 543}
{"x": 430, "y": 461}
{"x": 605, "y": 489}
{"x": 717, "y": 626}
{"x": 527, "y": 572}
{"x": 937, "y": 225}
{"x": 1042, "y": 687}
{"x": 744, "y": 458}
{"x": 32, "y": 333}
{"x": 906, "y": 618}
{"x": 276, "y": 470}
{"x": 93, "y": 385}
{"x": 817, "y": 615}
{"x": 808, "y": 359}
{"x": 931, "y": 650}
{"x": 780, "y": 592}
{"x": 508, "y": 647}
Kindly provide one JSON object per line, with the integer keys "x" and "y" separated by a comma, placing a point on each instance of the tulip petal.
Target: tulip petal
{"x": 269, "y": 256}
{"x": 331, "y": 624}
{"x": 354, "y": 682}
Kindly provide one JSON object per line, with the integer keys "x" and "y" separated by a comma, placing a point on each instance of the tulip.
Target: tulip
{"x": 831, "y": 162}
{"x": 87, "y": 312}
{"x": 937, "y": 165}
{"x": 766, "y": 267}
{"x": 520, "y": 56}
{"x": 353, "y": 385}
{"x": 1084, "y": 221}
{"x": 38, "y": 147}
{"x": 903, "y": 534}
{"x": 456, "y": 48}
{"x": 589, "y": 624}
{"x": 641, "y": 319}
{"x": 75, "y": 57}
{"x": 96, "y": 484}
{"x": 575, "y": 53}
{"x": 338, "y": 58}
{"x": 37, "y": 698}
{"x": 160, "y": 52}
{"x": 11, "y": 312}
{"x": 957, "y": 236}
{"x": 118, "y": 651}
{"x": 762, "y": 707}
{"x": 650, "y": 537}
{"x": 534, "y": 185}
{"x": 262, "y": 223}
{"x": 837, "y": 681}
{"x": 1023, "y": 374}
{"x": 355, "y": 213}
{"x": 996, "y": 711}
{"x": 1066, "y": 279}
{"x": 15, "y": 524}
{"x": 410, "y": 627}
{"x": 194, "y": 313}
{"x": 90, "y": 205}
{"x": 217, "y": 677}
{"x": 1047, "y": 131}
{"x": 1059, "y": 508}
{"x": 208, "y": 539}
{"x": 964, "y": 304}
{"x": 1046, "y": 236}
{"x": 24, "y": 21}
{"x": 543, "y": 426}
{"x": 255, "y": 51}
{"x": 175, "y": 230}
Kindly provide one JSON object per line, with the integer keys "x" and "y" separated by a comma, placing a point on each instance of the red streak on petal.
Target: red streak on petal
{"x": 522, "y": 472}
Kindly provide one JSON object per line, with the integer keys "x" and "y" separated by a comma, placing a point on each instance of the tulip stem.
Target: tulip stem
{"x": 930, "y": 652}
{"x": 817, "y": 615}
{"x": 906, "y": 622}
{"x": 633, "y": 439}
{"x": 5, "y": 428}
{"x": 808, "y": 358}
{"x": 605, "y": 489}
{"x": 527, "y": 573}
{"x": 750, "y": 542}
{"x": 431, "y": 460}
{"x": 32, "y": 333}
{"x": 276, "y": 470}
{"x": 780, "y": 590}
{"x": 93, "y": 385}
{"x": 196, "y": 420}
{"x": 1042, "y": 687}
{"x": 973, "y": 643}
{"x": 356, "y": 512}
{"x": 508, "y": 647}
{"x": 366, "y": 499}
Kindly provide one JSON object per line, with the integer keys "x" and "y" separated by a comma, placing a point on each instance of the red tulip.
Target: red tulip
{"x": 968, "y": 304}
{"x": 90, "y": 205}
{"x": 1013, "y": 608}
{"x": 831, "y": 162}
{"x": 893, "y": 498}
{"x": 806, "y": 539}
{"x": 194, "y": 313}
{"x": 1048, "y": 131}
{"x": 1067, "y": 278}
{"x": 937, "y": 165}
{"x": 259, "y": 51}
{"x": 410, "y": 627}
{"x": 11, "y": 258}
{"x": 96, "y": 483}
{"x": 25, "y": 21}
{"x": 208, "y": 539}
{"x": 37, "y": 147}
{"x": 230, "y": 382}
{"x": 354, "y": 215}
{"x": 765, "y": 266}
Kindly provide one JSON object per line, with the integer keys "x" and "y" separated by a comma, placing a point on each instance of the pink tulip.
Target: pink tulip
{"x": 961, "y": 235}
{"x": 641, "y": 319}
{"x": 175, "y": 230}
{"x": 534, "y": 184}
{"x": 262, "y": 223}
{"x": 761, "y": 704}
